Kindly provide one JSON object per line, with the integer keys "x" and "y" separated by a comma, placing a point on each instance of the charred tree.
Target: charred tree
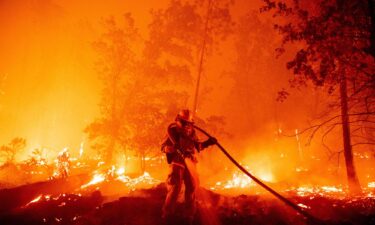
{"x": 353, "y": 181}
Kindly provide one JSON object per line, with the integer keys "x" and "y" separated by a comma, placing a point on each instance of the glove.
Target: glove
{"x": 210, "y": 141}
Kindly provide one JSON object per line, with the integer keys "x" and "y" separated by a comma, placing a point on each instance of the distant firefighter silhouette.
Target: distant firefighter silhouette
{"x": 181, "y": 147}
{"x": 63, "y": 163}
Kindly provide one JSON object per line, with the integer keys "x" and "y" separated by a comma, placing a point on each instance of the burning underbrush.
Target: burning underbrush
{"x": 76, "y": 191}
{"x": 143, "y": 206}
{"x": 114, "y": 181}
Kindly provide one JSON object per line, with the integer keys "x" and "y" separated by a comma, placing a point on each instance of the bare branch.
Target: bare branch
{"x": 323, "y": 139}
{"x": 363, "y": 143}
{"x": 318, "y": 126}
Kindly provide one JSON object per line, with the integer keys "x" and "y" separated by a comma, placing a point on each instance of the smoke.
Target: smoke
{"x": 51, "y": 91}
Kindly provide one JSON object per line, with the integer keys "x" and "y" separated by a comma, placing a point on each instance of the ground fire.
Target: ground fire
{"x": 196, "y": 112}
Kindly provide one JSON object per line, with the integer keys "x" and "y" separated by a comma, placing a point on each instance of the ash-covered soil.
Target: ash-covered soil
{"x": 143, "y": 207}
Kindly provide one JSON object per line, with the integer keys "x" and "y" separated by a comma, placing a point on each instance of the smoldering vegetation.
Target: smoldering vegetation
{"x": 143, "y": 207}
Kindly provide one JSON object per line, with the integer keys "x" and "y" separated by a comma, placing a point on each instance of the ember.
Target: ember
{"x": 327, "y": 191}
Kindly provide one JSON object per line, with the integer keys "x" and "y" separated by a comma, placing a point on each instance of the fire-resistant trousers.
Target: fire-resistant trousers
{"x": 177, "y": 175}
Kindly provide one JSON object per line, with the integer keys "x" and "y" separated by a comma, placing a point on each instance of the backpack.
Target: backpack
{"x": 168, "y": 142}
{"x": 164, "y": 145}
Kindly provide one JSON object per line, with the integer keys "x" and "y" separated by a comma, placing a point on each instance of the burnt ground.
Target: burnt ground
{"x": 143, "y": 207}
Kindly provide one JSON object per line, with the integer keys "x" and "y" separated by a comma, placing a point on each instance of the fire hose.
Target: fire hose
{"x": 276, "y": 194}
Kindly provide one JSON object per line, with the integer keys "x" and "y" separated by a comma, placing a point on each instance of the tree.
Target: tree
{"x": 37, "y": 162}
{"x": 115, "y": 68}
{"x": 336, "y": 38}
{"x": 182, "y": 34}
{"x": 251, "y": 68}
{"x": 8, "y": 152}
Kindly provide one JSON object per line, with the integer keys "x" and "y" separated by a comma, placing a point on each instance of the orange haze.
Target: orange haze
{"x": 50, "y": 90}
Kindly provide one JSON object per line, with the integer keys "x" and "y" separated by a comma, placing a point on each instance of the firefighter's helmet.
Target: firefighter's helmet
{"x": 185, "y": 116}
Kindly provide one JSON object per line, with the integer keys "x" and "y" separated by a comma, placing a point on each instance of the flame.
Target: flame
{"x": 243, "y": 182}
{"x": 326, "y": 191}
{"x": 331, "y": 189}
{"x": 81, "y": 149}
{"x": 35, "y": 200}
{"x": 268, "y": 177}
{"x": 144, "y": 179}
{"x": 240, "y": 180}
{"x": 303, "y": 206}
{"x": 371, "y": 185}
{"x": 38, "y": 198}
{"x": 119, "y": 175}
{"x": 98, "y": 178}
{"x": 120, "y": 171}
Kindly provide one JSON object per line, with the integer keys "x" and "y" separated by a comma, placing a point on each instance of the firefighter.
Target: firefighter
{"x": 63, "y": 163}
{"x": 181, "y": 147}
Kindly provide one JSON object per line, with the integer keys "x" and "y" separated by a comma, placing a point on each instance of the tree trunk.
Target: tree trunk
{"x": 201, "y": 58}
{"x": 372, "y": 27}
{"x": 353, "y": 182}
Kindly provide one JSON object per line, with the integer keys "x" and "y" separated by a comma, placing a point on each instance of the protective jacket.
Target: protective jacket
{"x": 178, "y": 145}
